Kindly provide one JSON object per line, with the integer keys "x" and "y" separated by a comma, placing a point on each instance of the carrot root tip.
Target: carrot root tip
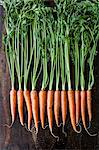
{"x": 89, "y": 126}
{"x": 27, "y": 128}
{"x": 90, "y": 133}
{"x": 9, "y": 126}
{"x": 56, "y": 137}
{"x": 22, "y": 124}
{"x": 30, "y": 130}
{"x": 63, "y": 131}
{"x": 77, "y": 124}
{"x": 36, "y": 132}
{"x": 59, "y": 125}
{"x": 45, "y": 127}
{"x": 80, "y": 129}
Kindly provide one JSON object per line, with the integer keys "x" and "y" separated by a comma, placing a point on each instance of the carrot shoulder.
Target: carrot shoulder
{"x": 29, "y": 106}
{"x": 20, "y": 100}
{"x": 72, "y": 110}
{"x": 77, "y": 103}
{"x": 64, "y": 106}
{"x": 35, "y": 106}
{"x": 42, "y": 105}
{"x": 57, "y": 104}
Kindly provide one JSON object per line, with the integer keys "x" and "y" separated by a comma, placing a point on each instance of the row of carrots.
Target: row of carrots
{"x": 63, "y": 36}
{"x": 52, "y": 99}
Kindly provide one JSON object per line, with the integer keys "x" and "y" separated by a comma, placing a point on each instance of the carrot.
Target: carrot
{"x": 50, "y": 98}
{"x": 83, "y": 107}
{"x": 89, "y": 100}
{"x": 35, "y": 105}
{"x": 77, "y": 103}
{"x": 72, "y": 110}
{"x": 29, "y": 106}
{"x": 20, "y": 100}
{"x": 42, "y": 104}
{"x": 13, "y": 104}
{"x": 64, "y": 109}
{"x": 83, "y": 110}
{"x": 11, "y": 64}
{"x": 57, "y": 103}
{"x": 50, "y": 101}
{"x": 64, "y": 106}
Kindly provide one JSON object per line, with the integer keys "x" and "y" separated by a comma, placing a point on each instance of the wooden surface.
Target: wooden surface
{"x": 17, "y": 138}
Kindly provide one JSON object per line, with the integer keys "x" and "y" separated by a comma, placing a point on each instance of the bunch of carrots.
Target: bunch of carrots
{"x": 47, "y": 43}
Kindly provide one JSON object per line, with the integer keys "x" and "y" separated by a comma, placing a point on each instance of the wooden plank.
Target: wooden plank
{"x": 1, "y": 25}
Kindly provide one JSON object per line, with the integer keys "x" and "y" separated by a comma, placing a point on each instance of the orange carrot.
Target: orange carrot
{"x": 83, "y": 111}
{"x": 64, "y": 106}
{"x": 77, "y": 102}
{"x": 42, "y": 104}
{"x": 89, "y": 100}
{"x": 35, "y": 105}
{"x": 50, "y": 101}
{"x": 57, "y": 103}
{"x": 72, "y": 110}
{"x": 29, "y": 106}
{"x": 50, "y": 98}
{"x": 13, "y": 103}
{"x": 20, "y": 100}
{"x": 83, "y": 107}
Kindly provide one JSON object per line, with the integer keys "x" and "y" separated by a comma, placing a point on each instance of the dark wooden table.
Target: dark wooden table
{"x": 17, "y": 138}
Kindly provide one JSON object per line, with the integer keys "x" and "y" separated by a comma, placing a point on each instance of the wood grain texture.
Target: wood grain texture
{"x": 17, "y": 138}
